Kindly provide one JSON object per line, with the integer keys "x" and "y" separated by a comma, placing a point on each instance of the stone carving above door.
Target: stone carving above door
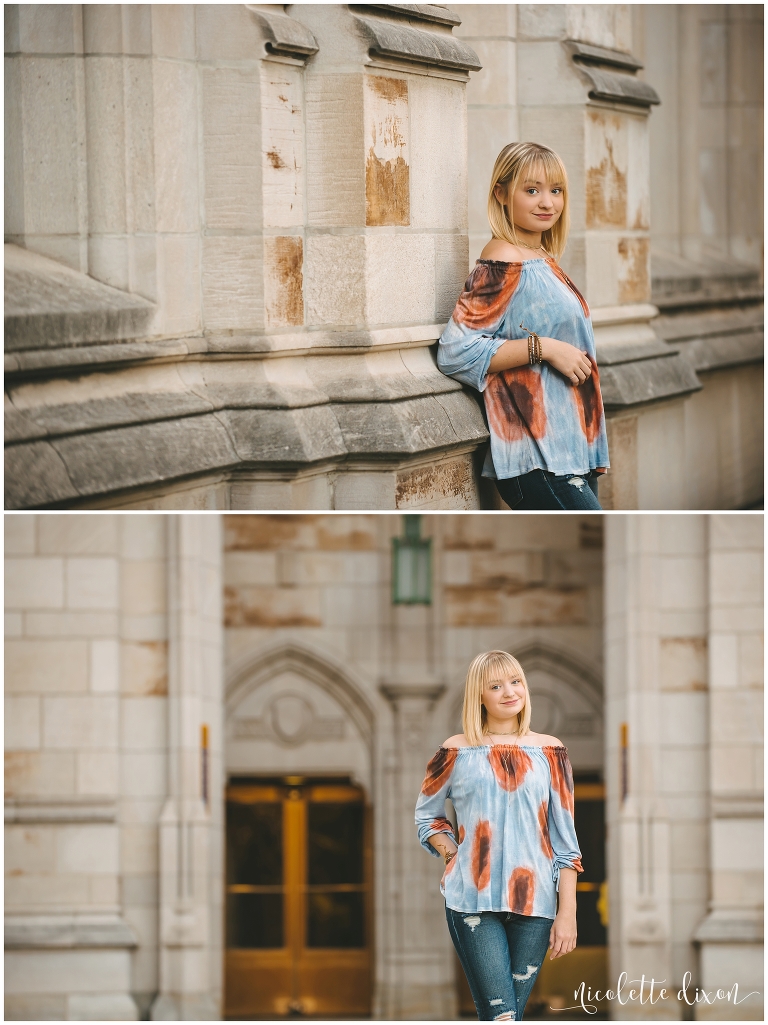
{"x": 291, "y": 719}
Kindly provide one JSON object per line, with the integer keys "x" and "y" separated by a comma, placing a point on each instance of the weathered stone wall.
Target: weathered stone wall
{"x": 93, "y": 741}
{"x": 683, "y": 677}
{"x": 280, "y": 190}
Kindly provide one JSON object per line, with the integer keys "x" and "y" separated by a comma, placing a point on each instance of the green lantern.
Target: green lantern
{"x": 412, "y": 565}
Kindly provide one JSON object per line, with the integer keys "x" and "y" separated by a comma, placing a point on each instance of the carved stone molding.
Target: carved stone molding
{"x": 611, "y": 75}
{"x": 284, "y": 36}
{"x": 390, "y": 40}
{"x": 67, "y": 931}
{"x": 60, "y": 810}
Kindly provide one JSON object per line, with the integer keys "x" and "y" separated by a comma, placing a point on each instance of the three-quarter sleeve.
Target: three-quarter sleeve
{"x": 562, "y": 832}
{"x": 430, "y": 806}
{"x": 470, "y": 339}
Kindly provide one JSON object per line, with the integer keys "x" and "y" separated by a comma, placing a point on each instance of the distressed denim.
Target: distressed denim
{"x": 501, "y": 953}
{"x": 540, "y": 489}
{"x": 537, "y": 419}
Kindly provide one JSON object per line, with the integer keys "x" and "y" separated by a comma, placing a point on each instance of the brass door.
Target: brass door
{"x": 298, "y": 919}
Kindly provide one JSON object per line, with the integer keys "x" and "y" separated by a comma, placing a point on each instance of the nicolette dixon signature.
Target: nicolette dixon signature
{"x": 650, "y": 991}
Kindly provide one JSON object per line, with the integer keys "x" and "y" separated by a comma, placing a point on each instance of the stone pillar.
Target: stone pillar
{"x": 639, "y": 838}
{"x": 418, "y": 976}
{"x": 731, "y": 934}
{"x": 191, "y": 865}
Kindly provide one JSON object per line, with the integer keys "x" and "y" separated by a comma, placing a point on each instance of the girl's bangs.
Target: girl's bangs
{"x": 498, "y": 663}
{"x": 553, "y": 167}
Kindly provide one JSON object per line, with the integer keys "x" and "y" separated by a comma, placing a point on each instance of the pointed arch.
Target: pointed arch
{"x": 258, "y": 669}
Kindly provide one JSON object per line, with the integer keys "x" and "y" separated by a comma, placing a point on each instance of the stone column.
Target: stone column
{"x": 418, "y": 977}
{"x": 191, "y": 881}
{"x": 731, "y": 934}
{"x": 640, "y": 931}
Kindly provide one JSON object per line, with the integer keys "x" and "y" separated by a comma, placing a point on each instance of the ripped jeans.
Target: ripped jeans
{"x": 541, "y": 489}
{"x": 501, "y": 953}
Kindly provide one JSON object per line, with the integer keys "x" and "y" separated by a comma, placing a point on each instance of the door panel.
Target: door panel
{"x": 298, "y": 901}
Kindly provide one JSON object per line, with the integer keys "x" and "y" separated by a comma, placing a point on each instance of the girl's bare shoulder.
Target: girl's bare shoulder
{"x": 459, "y": 740}
{"x": 498, "y": 249}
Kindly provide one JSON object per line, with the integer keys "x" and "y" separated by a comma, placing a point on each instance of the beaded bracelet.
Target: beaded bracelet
{"x": 534, "y": 346}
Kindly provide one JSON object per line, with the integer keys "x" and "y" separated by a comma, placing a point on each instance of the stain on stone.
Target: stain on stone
{"x": 269, "y": 532}
{"x": 275, "y": 159}
{"x": 387, "y": 191}
{"x": 268, "y": 607}
{"x": 284, "y": 281}
{"x": 634, "y": 277}
{"x": 590, "y": 534}
{"x": 427, "y": 483}
{"x": 473, "y": 606}
{"x": 387, "y": 173}
{"x": 606, "y": 183}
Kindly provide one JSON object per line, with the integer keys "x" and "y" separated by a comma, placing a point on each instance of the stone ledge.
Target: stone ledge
{"x": 317, "y": 341}
{"x": 66, "y": 469}
{"x": 49, "y": 306}
{"x": 394, "y": 41}
{"x": 60, "y": 810}
{"x": 36, "y": 932}
{"x": 285, "y": 37}
{"x": 730, "y": 926}
{"x": 416, "y": 12}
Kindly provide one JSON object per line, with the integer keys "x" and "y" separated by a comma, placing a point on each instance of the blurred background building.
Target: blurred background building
{"x": 235, "y": 232}
{"x": 217, "y": 727}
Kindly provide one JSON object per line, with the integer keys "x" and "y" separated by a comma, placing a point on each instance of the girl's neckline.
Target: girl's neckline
{"x": 519, "y": 263}
{"x": 487, "y": 747}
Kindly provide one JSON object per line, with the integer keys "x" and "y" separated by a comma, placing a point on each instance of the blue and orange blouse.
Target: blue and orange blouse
{"x": 514, "y": 808}
{"x": 537, "y": 419}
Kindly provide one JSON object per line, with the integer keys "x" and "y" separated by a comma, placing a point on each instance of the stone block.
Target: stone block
{"x": 732, "y": 768}
{"x": 39, "y": 773}
{"x": 14, "y": 624}
{"x": 92, "y": 583}
{"x": 77, "y": 534}
{"x": 334, "y": 279}
{"x": 30, "y": 850}
{"x": 735, "y": 578}
{"x": 233, "y": 297}
{"x": 335, "y": 150}
{"x": 91, "y": 849}
{"x": 738, "y": 715}
{"x": 102, "y": 29}
{"x": 683, "y": 583}
{"x": 271, "y": 607}
{"x": 80, "y": 722}
{"x": 144, "y": 774}
{"x": 141, "y": 537}
{"x": 400, "y": 279}
{"x": 105, "y": 666}
{"x": 34, "y": 583}
{"x": 541, "y": 21}
{"x": 54, "y": 199}
{"x": 683, "y": 664}
{"x": 173, "y": 30}
{"x": 447, "y": 484}
{"x": 451, "y": 264}
{"x": 497, "y": 82}
{"x": 46, "y": 666}
{"x": 488, "y": 131}
{"x": 144, "y": 668}
{"x": 37, "y": 1007}
{"x": 45, "y": 28}
{"x": 70, "y": 624}
{"x": 228, "y": 33}
{"x": 737, "y": 845}
{"x": 139, "y": 849}
{"x": 250, "y": 568}
{"x": 143, "y": 723}
{"x": 751, "y": 660}
{"x": 736, "y": 532}
{"x": 35, "y": 474}
{"x": 232, "y": 149}
{"x": 142, "y": 586}
{"x": 97, "y": 773}
{"x": 109, "y": 260}
{"x": 105, "y": 104}
{"x": 282, "y": 146}
{"x": 67, "y": 971}
{"x": 438, "y": 178}
{"x": 20, "y": 535}
{"x": 22, "y": 723}
{"x": 485, "y": 21}
{"x": 283, "y": 281}
{"x": 176, "y": 147}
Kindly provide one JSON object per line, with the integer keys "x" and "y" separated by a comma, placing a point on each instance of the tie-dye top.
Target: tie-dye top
{"x": 514, "y": 808}
{"x": 537, "y": 419}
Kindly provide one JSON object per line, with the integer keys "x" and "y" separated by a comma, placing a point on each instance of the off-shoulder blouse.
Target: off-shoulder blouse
{"x": 537, "y": 419}
{"x": 514, "y": 807}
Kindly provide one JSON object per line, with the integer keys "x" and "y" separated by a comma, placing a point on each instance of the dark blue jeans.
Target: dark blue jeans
{"x": 541, "y": 489}
{"x": 501, "y": 953}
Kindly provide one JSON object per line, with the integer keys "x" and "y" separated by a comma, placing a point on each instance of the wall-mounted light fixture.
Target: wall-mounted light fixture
{"x": 412, "y": 565}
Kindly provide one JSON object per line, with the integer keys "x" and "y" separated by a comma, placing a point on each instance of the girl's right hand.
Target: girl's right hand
{"x": 567, "y": 359}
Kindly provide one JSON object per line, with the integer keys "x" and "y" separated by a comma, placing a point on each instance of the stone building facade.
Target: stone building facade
{"x": 163, "y": 671}
{"x": 234, "y": 233}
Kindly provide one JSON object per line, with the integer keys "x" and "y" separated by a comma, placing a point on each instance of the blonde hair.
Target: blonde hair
{"x": 512, "y": 165}
{"x": 491, "y": 665}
